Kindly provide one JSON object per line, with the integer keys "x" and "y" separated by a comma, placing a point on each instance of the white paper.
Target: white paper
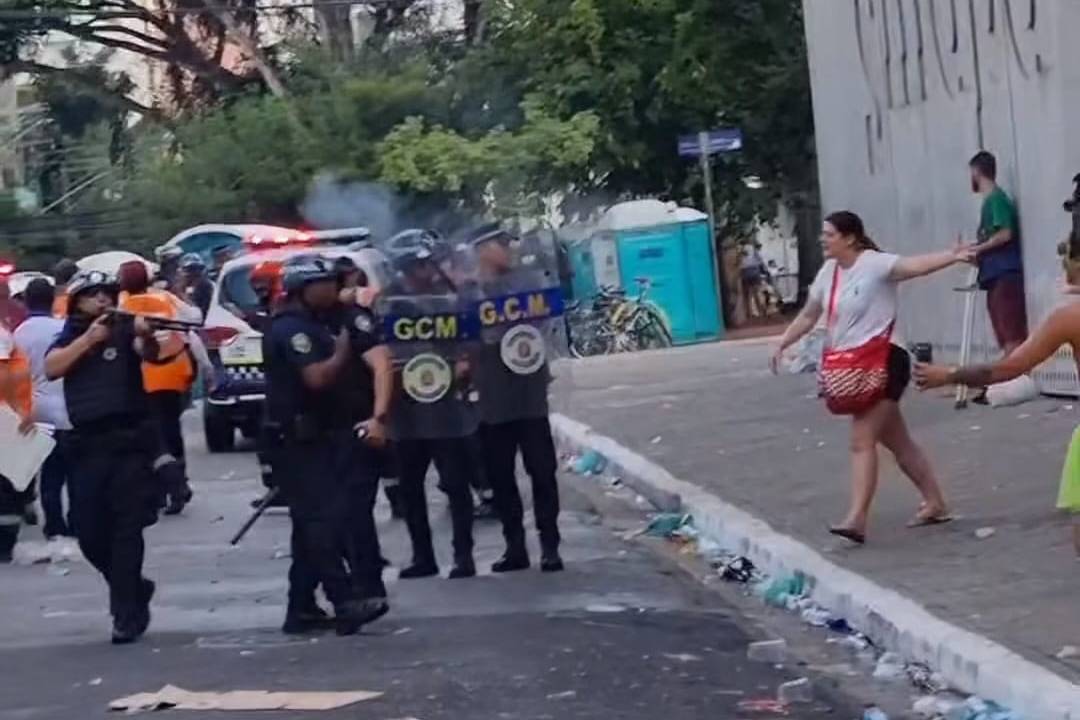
{"x": 21, "y": 456}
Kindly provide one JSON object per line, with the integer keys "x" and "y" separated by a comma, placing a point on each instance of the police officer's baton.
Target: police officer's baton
{"x": 259, "y": 510}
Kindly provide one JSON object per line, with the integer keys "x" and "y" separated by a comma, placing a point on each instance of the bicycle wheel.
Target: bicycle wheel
{"x": 651, "y": 330}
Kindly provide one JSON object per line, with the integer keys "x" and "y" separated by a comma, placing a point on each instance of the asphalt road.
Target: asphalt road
{"x": 621, "y": 634}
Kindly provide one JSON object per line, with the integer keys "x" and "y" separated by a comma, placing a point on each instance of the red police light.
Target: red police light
{"x": 6, "y": 268}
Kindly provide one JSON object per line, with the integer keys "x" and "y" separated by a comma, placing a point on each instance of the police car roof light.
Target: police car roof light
{"x": 7, "y": 268}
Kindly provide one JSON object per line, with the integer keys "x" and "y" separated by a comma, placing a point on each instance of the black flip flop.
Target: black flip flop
{"x": 849, "y": 534}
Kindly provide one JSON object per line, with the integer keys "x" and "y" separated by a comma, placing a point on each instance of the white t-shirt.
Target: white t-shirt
{"x": 34, "y": 337}
{"x": 866, "y": 299}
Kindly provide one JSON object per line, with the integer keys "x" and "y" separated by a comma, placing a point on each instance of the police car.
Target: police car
{"x": 235, "y": 346}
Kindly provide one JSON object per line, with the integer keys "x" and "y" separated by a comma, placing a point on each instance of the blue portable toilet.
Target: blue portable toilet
{"x": 668, "y": 245}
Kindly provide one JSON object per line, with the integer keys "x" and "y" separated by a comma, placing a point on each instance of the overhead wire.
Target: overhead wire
{"x": 120, "y": 13}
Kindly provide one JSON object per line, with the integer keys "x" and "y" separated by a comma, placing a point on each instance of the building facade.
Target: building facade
{"x": 905, "y": 92}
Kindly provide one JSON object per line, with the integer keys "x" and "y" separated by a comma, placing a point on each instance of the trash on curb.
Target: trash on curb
{"x": 567, "y": 695}
{"x": 763, "y": 705}
{"x": 796, "y": 691}
{"x": 890, "y": 666}
{"x": 782, "y": 588}
{"x": 984, "y": 533}
{"x": 666, "y": 525}
{"x": 816, "y": 616}
{"x": 925, "y": 679}
{"x": 768, "y": 651}
{"x": 839, "y": 625}
{"x": 171, "y": 697}
{"x": 874, "y": 713}
{"x": 590, "y": 463}
{"x": 975, "y": 708}
{"x": 1069, "y": 651}
{"x": 740, "y": 570}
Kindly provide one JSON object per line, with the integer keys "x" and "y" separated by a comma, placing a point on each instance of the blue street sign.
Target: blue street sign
{"x": 715, "y": 142}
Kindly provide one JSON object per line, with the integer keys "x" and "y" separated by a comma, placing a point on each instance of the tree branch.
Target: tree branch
{"x": 90, "y": 85}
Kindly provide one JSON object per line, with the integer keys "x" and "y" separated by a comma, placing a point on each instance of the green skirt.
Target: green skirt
{"x": 1069, "y": 494}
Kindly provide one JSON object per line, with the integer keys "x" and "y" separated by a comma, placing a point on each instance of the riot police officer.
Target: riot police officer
{"x": 518, "y": 314}
{"x": 99, "y": 357}
{"x": 368, "y": 388}
{"x": 306, "y": 367}
{"x": 433, "y": 416}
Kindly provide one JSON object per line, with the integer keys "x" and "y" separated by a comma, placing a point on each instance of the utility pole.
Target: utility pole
{"x": 710, "y": 209}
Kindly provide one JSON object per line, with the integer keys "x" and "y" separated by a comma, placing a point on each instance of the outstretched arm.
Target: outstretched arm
{"x": 1062, "y": 327}
{"x": 908, "y": 268}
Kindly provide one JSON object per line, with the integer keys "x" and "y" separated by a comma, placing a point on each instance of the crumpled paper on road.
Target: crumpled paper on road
{"x": 171, "y": 697}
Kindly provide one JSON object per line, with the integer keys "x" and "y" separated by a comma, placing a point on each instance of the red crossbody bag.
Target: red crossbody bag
{"x": 853, "y": 381}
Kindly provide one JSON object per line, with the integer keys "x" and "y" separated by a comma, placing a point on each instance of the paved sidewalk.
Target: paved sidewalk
{"x": 713, "y": 416}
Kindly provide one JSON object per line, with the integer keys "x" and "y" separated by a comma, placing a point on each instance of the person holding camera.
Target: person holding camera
{"x": 114, "y": 441}
{"x": 1061, "y": 329}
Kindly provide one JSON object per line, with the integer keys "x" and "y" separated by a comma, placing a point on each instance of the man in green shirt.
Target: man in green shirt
{"x": 998, "y": 254}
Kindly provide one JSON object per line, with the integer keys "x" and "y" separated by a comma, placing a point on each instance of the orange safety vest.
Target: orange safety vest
{"x": 16, "y": 387}
{"x": 178, "y": 374}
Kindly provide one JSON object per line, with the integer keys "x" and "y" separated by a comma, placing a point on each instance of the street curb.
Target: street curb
{"x": 969, "y": 662}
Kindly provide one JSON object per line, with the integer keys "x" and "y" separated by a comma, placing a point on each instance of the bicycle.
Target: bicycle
{"x": 615, "y": 324}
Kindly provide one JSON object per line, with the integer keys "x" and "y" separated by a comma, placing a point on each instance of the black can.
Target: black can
{"x": 923, "y": 352}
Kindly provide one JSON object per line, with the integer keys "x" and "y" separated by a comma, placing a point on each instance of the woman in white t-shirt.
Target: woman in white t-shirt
{"x": 866, "y": 308}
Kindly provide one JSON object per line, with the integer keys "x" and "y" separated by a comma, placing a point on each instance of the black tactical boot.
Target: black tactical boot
{"x": 464, "y": 567}
{"x": 419, "y": 569}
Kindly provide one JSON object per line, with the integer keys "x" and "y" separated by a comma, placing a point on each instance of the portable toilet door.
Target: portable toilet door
{"x": 701, "y": 281}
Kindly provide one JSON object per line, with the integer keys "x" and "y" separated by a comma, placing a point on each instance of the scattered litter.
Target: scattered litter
{"x": 874, "y": 713}
{"x": 764, "y": 705}
{"x": 925, "y": 679}
{"x": 590, "y": 463}
{"x": 95, "y": 682}
{"x": 839, "y": 625}
{"x": 219, "y": 518}
{"x": 174, "y": 698}
{"x": 59, "y": 571}
{"x": 402, "y": 631}
{"x": 821, "y": 444}
{"x": 1068, "y": 408}
{"x": 642, "y": 502}
{"x": 667, "y": 524}
{"x": 976, "y": 428}
{"x": 605, "y": 609}
{"x": 768, "y": 651}
{"x": 282, "y": 555}
{"x": 938, "y": 706}
{"x": 890, "y": 666}
{"x": 1023, "y": 416}
{"x": 1069, "y": 651}
{"x": 975, "y": 708}
{"x": 985, "y": 532}
{"x": 247, "y": 653}
{"x": 782, "y": 588}
{"x": 567, "y": 695}
{"x": 816, "y": 616}
{"x": 657, "y": 440}
{"x": 682, "y": 657}
{"x": 740, "y": 570}
{"x": 796, "y": 691}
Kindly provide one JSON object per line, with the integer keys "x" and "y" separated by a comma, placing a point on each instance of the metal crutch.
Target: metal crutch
{"x": 971, "y": 292}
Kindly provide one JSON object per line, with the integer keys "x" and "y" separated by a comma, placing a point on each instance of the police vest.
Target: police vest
{"x": 106, "y": 383}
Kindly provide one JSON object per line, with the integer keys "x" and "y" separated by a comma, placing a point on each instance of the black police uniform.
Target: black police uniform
{"x": 357, "y": 386}
{"x": 114, "y": 442}
{"x": 315, "y": 458}
{"x": 514, "y": 412}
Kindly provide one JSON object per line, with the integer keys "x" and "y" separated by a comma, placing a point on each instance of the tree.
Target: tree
{"x": 654, "y": 69}
{"x": 185, "y": 36}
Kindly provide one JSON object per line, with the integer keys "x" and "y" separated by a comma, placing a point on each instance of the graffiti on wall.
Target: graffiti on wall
{"x": 910, "y": 49}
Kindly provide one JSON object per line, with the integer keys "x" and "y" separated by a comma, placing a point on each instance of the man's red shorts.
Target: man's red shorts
{"x": 1008, "y": 309}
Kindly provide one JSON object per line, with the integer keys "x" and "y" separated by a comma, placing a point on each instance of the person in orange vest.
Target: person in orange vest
{"x": 166, "y": 383}
{"x": 16, "y": 391}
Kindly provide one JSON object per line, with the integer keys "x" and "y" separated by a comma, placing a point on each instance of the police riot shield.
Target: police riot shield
{"x": 424, "y": 322}
{"x": 519, "y": 309}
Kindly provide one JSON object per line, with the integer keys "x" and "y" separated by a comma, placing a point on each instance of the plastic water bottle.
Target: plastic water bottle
{"x": 874, "y": 713}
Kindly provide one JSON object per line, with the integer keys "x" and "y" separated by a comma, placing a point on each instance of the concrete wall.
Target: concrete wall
{"x": 906, "y": 91}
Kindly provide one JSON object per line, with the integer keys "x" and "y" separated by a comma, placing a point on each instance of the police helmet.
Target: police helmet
{"x": 489, "y": 233}
{"x": 169, "y": 254}
{"x": 87, "y": 280}
{"x": 192, "y": 261}
{"x": 302, "y": 270}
